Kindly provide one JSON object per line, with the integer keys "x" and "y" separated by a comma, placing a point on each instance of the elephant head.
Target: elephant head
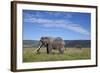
{"x": 44, "y": 41}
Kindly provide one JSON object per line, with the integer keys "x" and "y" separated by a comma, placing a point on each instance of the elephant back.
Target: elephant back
{"x": 59, "y": 41}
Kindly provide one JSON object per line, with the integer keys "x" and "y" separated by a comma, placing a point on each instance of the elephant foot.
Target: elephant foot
{"x": 48, "y": 53}
{"x": 61, "y": 52}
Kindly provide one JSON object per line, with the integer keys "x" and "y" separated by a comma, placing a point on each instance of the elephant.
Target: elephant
{"x": 52, "y": 43}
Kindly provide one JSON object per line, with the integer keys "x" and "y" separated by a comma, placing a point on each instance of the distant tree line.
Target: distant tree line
{"x": 78, "y": 43}
{"x": 68, "y": 43}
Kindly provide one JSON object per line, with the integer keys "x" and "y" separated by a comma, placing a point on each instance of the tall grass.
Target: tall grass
{"x": 70, "y": 54}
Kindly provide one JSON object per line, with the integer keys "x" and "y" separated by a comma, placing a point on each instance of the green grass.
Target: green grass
{"x": 70, "y": 54}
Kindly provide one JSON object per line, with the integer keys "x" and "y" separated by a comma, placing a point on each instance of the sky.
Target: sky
{"x": 67, "y": 25}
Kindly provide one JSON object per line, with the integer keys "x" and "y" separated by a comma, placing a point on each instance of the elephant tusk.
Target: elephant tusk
{"x": 37, "y": 48}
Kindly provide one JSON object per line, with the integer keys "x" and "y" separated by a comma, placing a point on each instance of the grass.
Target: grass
{"x": 70, "y": 54}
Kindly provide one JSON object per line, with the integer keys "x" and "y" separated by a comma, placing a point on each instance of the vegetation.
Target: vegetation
{"x": 30, "y": 55}
{"x": 76, "y": 50}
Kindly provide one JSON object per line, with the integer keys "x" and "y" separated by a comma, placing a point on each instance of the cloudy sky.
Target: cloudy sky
{"x": 68, "y": 25}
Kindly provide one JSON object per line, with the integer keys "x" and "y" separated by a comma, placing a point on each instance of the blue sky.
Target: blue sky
{"x": 68, "y": 25}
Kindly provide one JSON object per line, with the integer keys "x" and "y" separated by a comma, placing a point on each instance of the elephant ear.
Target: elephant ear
{"x": 47, "y": 40}
{"x": 44, "y": 40}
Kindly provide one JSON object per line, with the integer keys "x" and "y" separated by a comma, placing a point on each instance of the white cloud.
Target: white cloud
{"x": 65, "y": 24}
{"x": 78, "y": 28}
{"x": 45, "y": 13}
{"x": 46, "y": 21}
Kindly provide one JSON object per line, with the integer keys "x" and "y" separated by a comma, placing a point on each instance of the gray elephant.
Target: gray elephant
{"x": 52, "y": 43}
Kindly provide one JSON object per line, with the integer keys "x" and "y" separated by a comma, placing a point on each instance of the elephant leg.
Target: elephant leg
{"x": 49, "y": 48}
{"x": 61, "y": 50}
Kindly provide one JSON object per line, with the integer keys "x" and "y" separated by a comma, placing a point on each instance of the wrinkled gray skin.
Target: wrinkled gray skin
{"x": 52, "y": 43}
